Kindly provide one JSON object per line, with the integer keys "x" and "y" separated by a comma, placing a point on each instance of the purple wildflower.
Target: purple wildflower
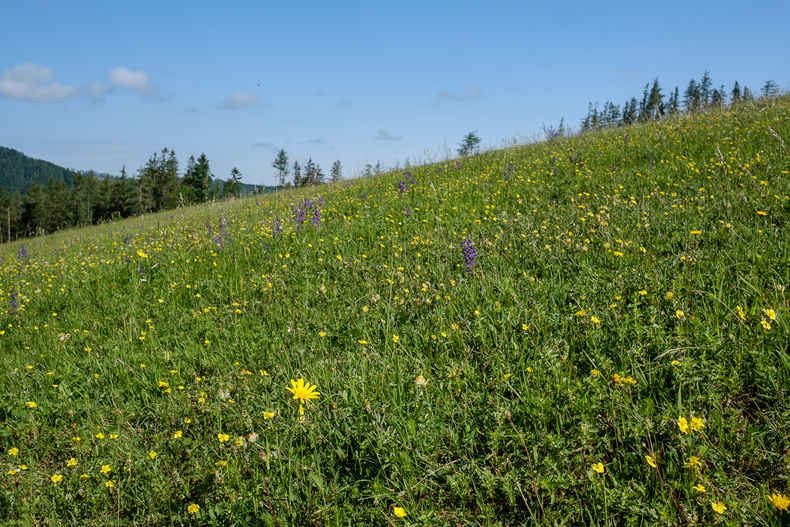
{"x": 401, "y": 187}
{"x": 469, "y": 254}
{"x": 13, "y": 294}
{"x": 316, "y": 219}
{"x": 277, "y": 226}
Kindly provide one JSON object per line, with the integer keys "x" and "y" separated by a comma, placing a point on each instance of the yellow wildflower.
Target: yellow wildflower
{"x": 697, "y": 424}
{"x": 302, "y": 390}
{"x": 780, "y": 501}
{"x": 598, "y": 467}
{"x": 718, "y": 507}
{"x": 683, "y": 424}
{"x": 399, "y": 512}
{"x": 192, "y": 509}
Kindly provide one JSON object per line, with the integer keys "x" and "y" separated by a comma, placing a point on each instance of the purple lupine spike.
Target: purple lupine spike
{"x": 469, "y": 254}
{"x": 407, "y": 212}
{"x": 401, "y": 187}
{"x": 320, "y": 201}
{"x": 22, "y": 255}
{"x": 277, "y": 226}
{"x": 13, "y": 294}
{"x": 316, "y": 219}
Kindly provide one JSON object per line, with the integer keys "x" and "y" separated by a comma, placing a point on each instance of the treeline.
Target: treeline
{"x": 88, "y": 199}
{"x": 654, "y": 105}
{"x": 312, "y": 175}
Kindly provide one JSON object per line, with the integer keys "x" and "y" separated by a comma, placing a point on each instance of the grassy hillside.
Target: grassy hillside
{"x": 587, "y": 331}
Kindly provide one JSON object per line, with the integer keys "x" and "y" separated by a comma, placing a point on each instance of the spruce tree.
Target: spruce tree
{"x": 469, "y": 145}
{"x": 336, "y": 174}
{"x": 736, "y": 92}
{"x": 233, "y": 185}
{"x": 281, "y": 165}
{"x": 298, "y": 180}
{"x": 705, "y": 91}
{"x": 691, "y": 97}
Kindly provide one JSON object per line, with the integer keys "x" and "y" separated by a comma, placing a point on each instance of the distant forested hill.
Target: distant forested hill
{"x": 18, "y": 171}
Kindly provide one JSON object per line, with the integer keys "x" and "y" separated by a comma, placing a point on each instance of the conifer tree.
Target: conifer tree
{"x": 469, "y": 145}
{"x": 281, "y": 165}
{"x": 692, "y": 97}
{"x": 736, "y": 93}
{"x": 705, "y": 91}
{"x": 233, "y": 185}
{"x": 298, "y": 180}
{"x": 336, "y": 174}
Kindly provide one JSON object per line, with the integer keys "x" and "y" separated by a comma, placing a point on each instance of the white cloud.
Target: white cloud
{"x": 32, "y": 82}
{"x": 239, "y": 99}
{"x": 97, "y": 91}
{"x": 136, "y": 80}
{"x": 471, "y": 93}
{"x": 384, "y": 135}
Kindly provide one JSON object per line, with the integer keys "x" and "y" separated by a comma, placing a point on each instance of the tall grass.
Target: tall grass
{"x": 591, "y": 330}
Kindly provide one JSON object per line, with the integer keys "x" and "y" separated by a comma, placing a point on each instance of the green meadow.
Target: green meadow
{"x": 590, "y": 330}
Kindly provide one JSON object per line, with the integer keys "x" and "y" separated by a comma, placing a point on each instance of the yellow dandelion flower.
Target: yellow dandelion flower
{"x": 399, "y": 512}
{"x": 178, "y": 434}
{"x": 57, "y": 478}
{"x": 771, "y": 314}
{"x": 699, "y": 487}
{"x": 141, "y": 254}
{"x": 595, "y": 320}
{"x": 780, "y": 501}
{"x": 71, "y": 462}
{"x": 193, "y": 509}
{"x": 106, "y": 469}
{"x": 109, "y": 484}
{"x": 302, "y": 390}
{"x": 31, "y": 404}
{"x": 268, "y": 415}
{"x": 13, "y": 451}
{"x": 598, "y": 467}
{"x": 99, "y": 436}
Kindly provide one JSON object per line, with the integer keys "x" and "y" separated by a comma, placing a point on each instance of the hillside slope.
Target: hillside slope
{"x": 18, "y": 171}
{"x": 587, "y": 331}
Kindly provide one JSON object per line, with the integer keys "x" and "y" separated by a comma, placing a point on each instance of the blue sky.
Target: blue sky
{"x": 99, "y": 85}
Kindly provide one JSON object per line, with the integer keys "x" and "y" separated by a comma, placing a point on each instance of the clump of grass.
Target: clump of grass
{"x": 590, "y": 330}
